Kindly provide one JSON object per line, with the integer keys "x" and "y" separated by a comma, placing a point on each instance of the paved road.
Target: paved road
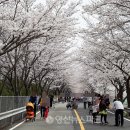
{"x": 55, "y": 121}
{"x": 62, "y": 119}
{"x": 90, "y": 126}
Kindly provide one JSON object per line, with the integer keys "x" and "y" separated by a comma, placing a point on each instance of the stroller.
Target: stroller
{"x": 74, "y": 104}
{"x": 30, "y": 111}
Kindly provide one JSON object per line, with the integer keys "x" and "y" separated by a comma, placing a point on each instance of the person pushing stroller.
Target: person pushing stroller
{"x": 95, "y": 110}
{"x": 33, "y": 100}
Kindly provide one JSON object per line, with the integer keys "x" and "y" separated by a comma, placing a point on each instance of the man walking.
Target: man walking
{"x": 118, "y": 106}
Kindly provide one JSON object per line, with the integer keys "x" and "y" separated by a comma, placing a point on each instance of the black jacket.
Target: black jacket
{"x": 102, "y": 106}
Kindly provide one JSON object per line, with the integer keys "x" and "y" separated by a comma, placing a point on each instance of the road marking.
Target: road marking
{"x": 79, "y": 120}
{"x": 20, "y": 123}
{"x": 124, "y": 118}
{"x": 17, "y": 125}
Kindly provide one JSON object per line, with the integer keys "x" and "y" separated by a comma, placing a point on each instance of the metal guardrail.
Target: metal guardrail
{"x": 12, "y": 109}
{"x": 8, "y": 103}
{"x": 11, "y": 113}
{"x": 127, "y": 110}
{"x": 9, "y": 117}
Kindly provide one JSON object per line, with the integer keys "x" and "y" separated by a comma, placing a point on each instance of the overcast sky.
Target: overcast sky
{"x": 79, "y": 14}
{"x": 75, "y": 69}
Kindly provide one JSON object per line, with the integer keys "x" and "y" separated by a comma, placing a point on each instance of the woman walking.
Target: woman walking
{"x": 103, "y": 111}
{"x": 44, "y": 103}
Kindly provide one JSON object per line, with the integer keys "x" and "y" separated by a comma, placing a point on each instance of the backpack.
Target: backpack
{"x": 42, "y": 102}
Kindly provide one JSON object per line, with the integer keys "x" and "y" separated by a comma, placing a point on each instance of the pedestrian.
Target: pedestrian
{"x": 107, "y": 101}
{"x": 89, "y": 102}
{"x": 90, "y": 109}
{"x": 103, "y": 111}
{"x": 33, "y": 100}
{"x": 74, "y": 104}
{"x": 85, "y": 102}
{"x": 95, "y": 109}
{"x": 119, "y": 109}
{"x": 46, "y": 112}
{"x": 44, "y": 104}
{"x": 97, "y": 100}
{"x": 51, "y": 100}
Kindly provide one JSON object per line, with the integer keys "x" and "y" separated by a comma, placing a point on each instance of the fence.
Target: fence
{"x": 12, "y": 102}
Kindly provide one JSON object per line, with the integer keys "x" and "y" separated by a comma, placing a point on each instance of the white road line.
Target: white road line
{"x": 17, "y": 125}
{"x": 20, "y": 123}
{"x": 124, "y": 118}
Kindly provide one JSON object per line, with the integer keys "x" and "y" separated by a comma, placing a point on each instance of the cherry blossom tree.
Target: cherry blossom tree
{"x": 109, "y": 39}
{"x": 34, "y": 40}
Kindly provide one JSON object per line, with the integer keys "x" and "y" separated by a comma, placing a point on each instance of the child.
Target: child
{"x": 95, "y": 112}
{"x": 46, "y": 112}
{"x": 90, "y": 109}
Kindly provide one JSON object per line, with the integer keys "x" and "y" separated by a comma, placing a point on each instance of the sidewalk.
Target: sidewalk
{"x": 55, "y": 121}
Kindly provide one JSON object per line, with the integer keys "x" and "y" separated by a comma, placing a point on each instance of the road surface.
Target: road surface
{"x": 62, "y": 119}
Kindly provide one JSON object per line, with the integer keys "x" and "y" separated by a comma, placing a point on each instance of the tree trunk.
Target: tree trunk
{"x": 128, "y": 91}
{"x": 26, "y": 89}
{"x": 128, "y": 96}
{"x": 2, "y": 87}
{"x": 26, "y": 92}
{"x": 15, "y": 75}
{"x": 120, "y": 92}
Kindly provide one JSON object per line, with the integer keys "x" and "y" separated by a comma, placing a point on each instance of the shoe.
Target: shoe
{"x": 106, "y": 122}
